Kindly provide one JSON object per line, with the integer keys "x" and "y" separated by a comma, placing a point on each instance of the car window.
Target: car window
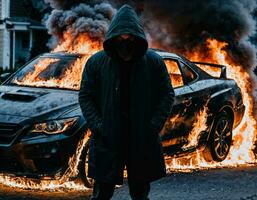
{"x": 51, "y": 72}
{"x": 188, "y": 74}
{"x": 174, "y": 72}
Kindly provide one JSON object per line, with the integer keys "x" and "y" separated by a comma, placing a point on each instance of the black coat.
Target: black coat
{"x": 151, "y": 99}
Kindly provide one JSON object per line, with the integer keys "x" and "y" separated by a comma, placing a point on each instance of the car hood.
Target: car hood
{"x": 36, "y": 102}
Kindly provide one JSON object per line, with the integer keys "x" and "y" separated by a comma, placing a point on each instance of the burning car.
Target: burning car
{"x": 41, "y": 124}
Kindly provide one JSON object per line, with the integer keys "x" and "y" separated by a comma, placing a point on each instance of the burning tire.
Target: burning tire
{"x": 83, "y": 167}
{"x": 220, "y": 138}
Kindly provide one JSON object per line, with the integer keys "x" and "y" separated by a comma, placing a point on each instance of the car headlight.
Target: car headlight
{"x": 54, "y": 126}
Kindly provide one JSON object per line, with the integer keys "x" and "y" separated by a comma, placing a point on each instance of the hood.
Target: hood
{"x": 36, "y": 102}
{"x": 126, "y": 21}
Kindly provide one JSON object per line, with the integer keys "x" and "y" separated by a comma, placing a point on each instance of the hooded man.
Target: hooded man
{"x": 125, "y": 96}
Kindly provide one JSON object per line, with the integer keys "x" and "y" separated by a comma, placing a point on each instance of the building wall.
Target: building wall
{"x": 1, "y": 37}
{"x": 0, "y": 8}
{"x": 6, "y": 50}
{"x": 1, "y": 46}
{"x": 5, "y": 9}
{"x": 4, "y": 35}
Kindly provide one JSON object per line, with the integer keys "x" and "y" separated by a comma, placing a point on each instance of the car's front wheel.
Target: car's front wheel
{"x": 220, "y": 138}
{"x": 83, "y": 167}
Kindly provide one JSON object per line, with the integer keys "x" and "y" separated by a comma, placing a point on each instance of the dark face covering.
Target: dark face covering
{"x": 125, "y": 49}
{"x": 125, "y": 25}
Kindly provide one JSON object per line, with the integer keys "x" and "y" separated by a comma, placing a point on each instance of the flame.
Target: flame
{"x": 85, "y": 46}
{"x": 39, "y": 67}
{"x": 198, "y": 127}
{"x": 242, "y": 150}
{"x": 71, "y": 78}
{"x": 244, "y": 136}
{"x": 174, "y": 72}
{"x": 64, "y": 182}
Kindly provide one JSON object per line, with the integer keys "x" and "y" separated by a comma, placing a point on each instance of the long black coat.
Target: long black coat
{"x": 151, "y": 99}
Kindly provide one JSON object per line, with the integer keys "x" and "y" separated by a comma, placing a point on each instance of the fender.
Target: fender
{"x": 225, "y": 103}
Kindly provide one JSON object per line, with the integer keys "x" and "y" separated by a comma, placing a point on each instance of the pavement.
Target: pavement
{"x": 214, "y": 184}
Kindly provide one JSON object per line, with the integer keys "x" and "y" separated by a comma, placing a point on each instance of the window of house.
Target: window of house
{"x": 174, "y": 72}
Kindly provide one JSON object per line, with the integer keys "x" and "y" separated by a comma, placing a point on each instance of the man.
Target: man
{"x": 126, "y": 97}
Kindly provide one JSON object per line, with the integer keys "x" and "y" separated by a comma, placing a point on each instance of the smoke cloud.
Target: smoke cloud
{"x": 78, "y": 18}
{"x": 186, "y": 25}
{"x": 63, "y": 4}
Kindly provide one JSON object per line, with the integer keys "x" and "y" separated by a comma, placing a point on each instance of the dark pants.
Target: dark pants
{"x": 104, "y": 191}
{"x": 137, "y": 190}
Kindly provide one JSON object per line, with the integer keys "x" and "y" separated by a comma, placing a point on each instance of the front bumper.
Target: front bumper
{"x": 39, "y": 155}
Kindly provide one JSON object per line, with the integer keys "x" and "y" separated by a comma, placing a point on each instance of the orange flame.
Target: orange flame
{"x": 63, "y": 182}
{"x": 198, "y": 127}
{"x": 174, "y": 72}
{"x": 244, "y": 135}
{"x": 71, "y": 78}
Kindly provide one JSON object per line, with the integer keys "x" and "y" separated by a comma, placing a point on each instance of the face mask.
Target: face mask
{"x": 125, "y": 49}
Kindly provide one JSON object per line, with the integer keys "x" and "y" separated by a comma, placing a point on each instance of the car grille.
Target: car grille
{"x": 8, "y": 132}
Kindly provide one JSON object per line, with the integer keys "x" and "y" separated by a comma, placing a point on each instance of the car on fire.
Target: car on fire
{"x": 41, "y": 123}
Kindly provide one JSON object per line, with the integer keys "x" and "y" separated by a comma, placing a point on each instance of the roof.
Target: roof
{"x": 158, "y": 51}
{"x": 26, "y": 22}
{"x": 166, "y": 54}
{"x": 59, "y": 54}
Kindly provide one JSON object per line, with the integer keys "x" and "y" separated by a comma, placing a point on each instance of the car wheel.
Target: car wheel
{"x": 83, "y": 167}
{"x": 220, "y": 139}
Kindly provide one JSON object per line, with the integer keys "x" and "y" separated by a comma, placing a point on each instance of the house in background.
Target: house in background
{"x": 19, "y": 34}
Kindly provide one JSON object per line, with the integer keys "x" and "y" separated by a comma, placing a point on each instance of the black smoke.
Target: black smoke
{"x": 183, "y": 26}
{"x": 180, "y": 26}
{"x": 63, "y": 4}
{"x": 91, "y": 18}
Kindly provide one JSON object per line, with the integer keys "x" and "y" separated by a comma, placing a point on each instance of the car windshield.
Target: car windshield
{"x": 52, "y": 72}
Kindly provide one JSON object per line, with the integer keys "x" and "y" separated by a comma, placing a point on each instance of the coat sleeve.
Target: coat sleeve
{"x": 87, "y": 95}
{"x": 166, "y": 98}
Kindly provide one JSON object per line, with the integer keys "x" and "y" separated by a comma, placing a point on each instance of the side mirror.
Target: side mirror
{"x": 4, "y": 77}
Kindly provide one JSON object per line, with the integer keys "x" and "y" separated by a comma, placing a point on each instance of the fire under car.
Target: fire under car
{"x": 41, "y": 123}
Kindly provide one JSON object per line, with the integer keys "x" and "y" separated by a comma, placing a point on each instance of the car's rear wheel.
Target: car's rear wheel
{"x": 220, "y": 139}
{"x": 83, "y": 167}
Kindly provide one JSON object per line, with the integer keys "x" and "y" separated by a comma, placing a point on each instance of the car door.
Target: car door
{"x": 175, "y": 132}
{"x": 203, "y": 89}
{"x": 199, "y": 86}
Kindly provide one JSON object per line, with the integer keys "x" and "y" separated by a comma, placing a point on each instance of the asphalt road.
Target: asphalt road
{"x": 222, "y": 184}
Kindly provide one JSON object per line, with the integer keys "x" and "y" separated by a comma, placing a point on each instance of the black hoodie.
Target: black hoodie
{"x": 150, "y": 102}
{"x": 126, "y": 21}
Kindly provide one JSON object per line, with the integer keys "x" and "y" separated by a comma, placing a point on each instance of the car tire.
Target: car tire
{"x": 83, "y": 167}
{"x": 220, "y": 138}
